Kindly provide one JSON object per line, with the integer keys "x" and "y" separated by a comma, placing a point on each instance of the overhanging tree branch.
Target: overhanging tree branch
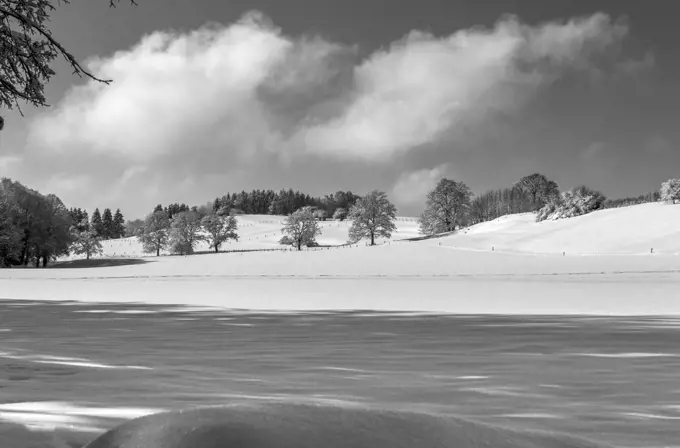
{"x": 27, "y": 50}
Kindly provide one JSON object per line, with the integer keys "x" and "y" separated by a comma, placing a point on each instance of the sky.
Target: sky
{"x": 216, "y": 96}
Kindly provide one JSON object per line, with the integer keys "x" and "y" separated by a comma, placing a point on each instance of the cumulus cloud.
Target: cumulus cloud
{"x": 215, "y": 99}
{"x": 412, "y": 187}
{"x": 423, "y": 86}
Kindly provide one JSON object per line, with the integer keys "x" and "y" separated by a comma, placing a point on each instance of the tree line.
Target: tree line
{"x": 285, "y": 202}
{"x": 450, "y": 205}
{"x": 178, "y": 228}
{"x": 36, "y": 229}
{"x": 106, "y": 226}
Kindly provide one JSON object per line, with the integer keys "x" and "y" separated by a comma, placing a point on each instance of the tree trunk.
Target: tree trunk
{"x": 158, "y": 251}
{"x": 44, "y": 261}
{"x": 217, "y": 248}
{"x": 372, "y": 239}
{"x": 24, "y": 250}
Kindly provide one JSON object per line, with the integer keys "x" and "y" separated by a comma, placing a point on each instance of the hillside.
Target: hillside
{"x": 261, "y": 232}
{"x": 456, "y": 273}
{"x": 627, "y": 230}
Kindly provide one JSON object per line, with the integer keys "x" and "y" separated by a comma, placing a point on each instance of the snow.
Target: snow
{"x": 262, "y": 232}
{"x": 627, "y": 230}
{"x": 535, "y": 268}
{"x": 50, "y": 415}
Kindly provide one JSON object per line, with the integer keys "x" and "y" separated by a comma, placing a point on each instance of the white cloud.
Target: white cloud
{"x": 214, "y": 100}
{"x": 423, "y": 86}
{"x": 411, "y": 188}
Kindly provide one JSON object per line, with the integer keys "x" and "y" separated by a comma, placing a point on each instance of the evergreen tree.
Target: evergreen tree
{"x": 107, "y": 224}
{"x": 373, "y": 215}
{"x": 84, "y": 222}
{"x": 118, "y": 224}
{"x": 96, "y": 223}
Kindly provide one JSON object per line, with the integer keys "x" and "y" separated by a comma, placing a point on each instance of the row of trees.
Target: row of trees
{"x": 450, "y": 205}
{"x": 185, "y": 229}
{"x": 285, "y": 202}
{"x": 372, "y": 216}
{"x": 34, "y": 228}
{"x": 105, "y": 226}
{"x": 654, "y": 196}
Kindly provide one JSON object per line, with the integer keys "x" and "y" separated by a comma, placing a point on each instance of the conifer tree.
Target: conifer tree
{"x": 107, "y": 224}
{"x": 96, "y": 223}
{"x": 118, "y": 224}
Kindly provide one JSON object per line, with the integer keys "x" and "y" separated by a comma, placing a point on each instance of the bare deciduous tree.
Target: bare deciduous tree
{"x": 447, "y": 207}
{"x": 372, "y": 216}
{"x": 301, "y": 228}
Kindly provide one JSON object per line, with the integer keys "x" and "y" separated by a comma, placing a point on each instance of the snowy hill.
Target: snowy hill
{"x": 261, "y": 232}
{"x": 628, "y": 230}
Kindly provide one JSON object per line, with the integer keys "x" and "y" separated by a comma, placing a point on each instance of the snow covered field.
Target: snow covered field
{"x": 510, "y": 265}
{"x": 175, "y": 356}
